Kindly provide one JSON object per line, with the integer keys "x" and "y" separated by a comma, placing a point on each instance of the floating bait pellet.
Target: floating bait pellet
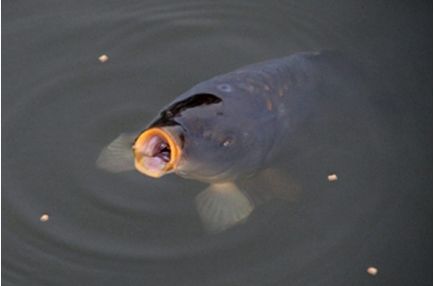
{"x": 372, "y": 271}
{"x": 44, "y": 218}
{"x": 332, "y": 177}
{"x": 103, "y": 58}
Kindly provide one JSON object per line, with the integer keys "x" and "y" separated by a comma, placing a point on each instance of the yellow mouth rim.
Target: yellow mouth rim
{"x": 175, "y": 151}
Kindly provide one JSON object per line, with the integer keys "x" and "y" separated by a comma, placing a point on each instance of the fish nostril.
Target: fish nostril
{"x": 169, "y": 113}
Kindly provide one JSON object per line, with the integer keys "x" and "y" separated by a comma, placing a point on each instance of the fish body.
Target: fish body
{"x": 230, "y": 127}
{"x": 233, "y": 124}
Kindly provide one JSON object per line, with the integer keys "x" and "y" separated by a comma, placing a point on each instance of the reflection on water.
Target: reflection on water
{"x": 65, "y": 222}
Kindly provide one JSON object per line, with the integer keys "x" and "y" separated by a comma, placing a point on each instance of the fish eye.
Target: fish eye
{"x": 224, "y": 87}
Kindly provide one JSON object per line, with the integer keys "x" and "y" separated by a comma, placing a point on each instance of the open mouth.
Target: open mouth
{"x": 156, "y": 152}
{"x": 158, "y": 148}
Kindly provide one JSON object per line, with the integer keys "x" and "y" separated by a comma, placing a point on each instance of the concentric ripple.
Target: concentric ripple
{"x": 62, "y": 106}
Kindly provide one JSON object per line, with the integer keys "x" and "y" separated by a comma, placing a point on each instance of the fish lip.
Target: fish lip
{"x": 157, "y": 151}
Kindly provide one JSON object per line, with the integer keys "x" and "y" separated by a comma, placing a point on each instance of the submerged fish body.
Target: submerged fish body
{"x": 233, "y": 124}
{"x": 229, "y": 127}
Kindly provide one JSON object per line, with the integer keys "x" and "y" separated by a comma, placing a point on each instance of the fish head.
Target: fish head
{"x": 211, "y": 150}
{"x": 194, "y": 138}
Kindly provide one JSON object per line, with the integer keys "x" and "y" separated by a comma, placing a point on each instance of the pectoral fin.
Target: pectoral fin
{"x": 221, "y": 206}
{"x": 118, "y": 155}
{"x": 272, "y": 184}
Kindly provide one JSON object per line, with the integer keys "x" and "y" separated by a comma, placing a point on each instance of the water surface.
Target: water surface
{"x": 61, "y": 105}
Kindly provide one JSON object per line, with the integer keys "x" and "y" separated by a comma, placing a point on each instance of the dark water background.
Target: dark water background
{"x": 61, "y": 106}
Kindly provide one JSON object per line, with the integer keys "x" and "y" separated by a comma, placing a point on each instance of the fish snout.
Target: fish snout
{"x": 156, "y": 152}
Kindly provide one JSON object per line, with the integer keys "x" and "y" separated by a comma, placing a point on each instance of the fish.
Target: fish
{"x": 225, "y": 129}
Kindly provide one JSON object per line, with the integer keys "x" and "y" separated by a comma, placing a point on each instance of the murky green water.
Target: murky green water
{"x": 61, "y": 106}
